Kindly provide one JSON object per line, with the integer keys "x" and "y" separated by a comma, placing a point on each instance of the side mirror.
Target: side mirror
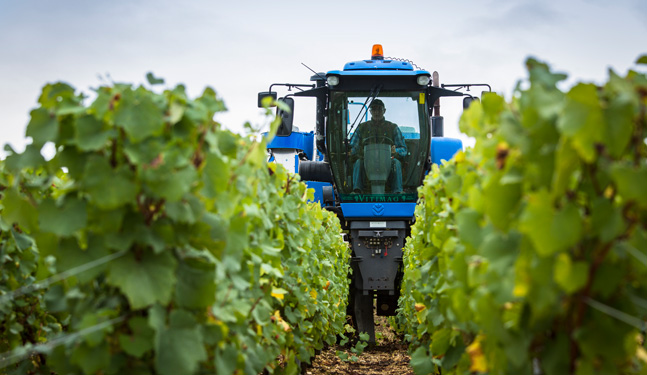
{"x": 468, "y": 100}
{"x": 263, "y": 95}
{"x": 287, "y": 117}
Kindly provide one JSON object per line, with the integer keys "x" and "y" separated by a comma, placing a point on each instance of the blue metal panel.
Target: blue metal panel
{"x": 378, "y": 210}
{"x": 296, "y": 164}
{"x": 444, "y": 148}
{"x": 378, "y": 72}
{"x": 308, "y": 143}
{"x": 378, "y": 64}
{"x": 318, "y": 187}
{"x": 296, "y": 140}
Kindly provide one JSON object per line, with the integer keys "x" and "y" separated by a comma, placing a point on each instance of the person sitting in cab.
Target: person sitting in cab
{"x": 378, "y": 130}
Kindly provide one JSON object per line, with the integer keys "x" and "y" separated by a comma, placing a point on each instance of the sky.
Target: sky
{"x": 240, "y": 47}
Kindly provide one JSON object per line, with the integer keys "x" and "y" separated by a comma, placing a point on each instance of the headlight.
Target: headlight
{"x": 332, "y": 80}
{"x": 423, "y": 80}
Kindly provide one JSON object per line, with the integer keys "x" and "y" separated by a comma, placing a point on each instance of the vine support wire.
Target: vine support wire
{"x": 62, "y": 276}
{"x": 18, "y": 354}
{"x": 617, "y": 314}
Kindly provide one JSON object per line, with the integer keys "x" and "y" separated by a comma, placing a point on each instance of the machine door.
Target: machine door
{"x": 378, "y": 145}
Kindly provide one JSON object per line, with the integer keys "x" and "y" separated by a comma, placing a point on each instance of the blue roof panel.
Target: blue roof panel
{"x": 378, "y": 72}
{"x": 378, "y": 64}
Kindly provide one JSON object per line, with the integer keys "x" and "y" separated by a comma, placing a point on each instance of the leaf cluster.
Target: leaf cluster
{"x": 203, "y": 257}
{"x": 529, "y": 251}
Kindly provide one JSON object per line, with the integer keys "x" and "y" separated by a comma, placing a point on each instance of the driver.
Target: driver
{"x": 378, "y": 128}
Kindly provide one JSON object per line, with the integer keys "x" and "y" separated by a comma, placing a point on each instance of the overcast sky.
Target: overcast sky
{"x": 241, "y": 47}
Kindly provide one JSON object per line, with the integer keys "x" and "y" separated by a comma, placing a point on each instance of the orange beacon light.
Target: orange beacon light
{"x": 378, "y": 53}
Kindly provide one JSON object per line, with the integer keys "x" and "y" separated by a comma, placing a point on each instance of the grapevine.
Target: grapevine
{"x": 529, "y": 250}
{"x": 205, "y": 258}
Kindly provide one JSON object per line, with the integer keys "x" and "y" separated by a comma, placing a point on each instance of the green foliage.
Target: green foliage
{"x": 203, "y": 257}
{"x": 530, "y": 250}
{"x": 24, "y": 319}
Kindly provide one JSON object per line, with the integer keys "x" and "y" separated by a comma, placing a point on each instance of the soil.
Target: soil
{"x": 388, "y": 357}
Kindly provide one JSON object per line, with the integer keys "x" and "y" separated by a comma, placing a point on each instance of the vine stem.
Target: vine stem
{"x": 242, "y": 161}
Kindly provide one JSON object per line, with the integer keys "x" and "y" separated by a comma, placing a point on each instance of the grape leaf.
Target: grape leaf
{"x": 631, "y": 182}
{"x": 64, "y": 220}
{"x": 145, "y": 279}
{"x": 583, "y": 120}
{"x": 549, "y": 229}
{"x": 19, "y": 210}
{"x": 91, "y": 134}
{"x": 195, "y": 284}
{"x": 570, "y": 276}
{"x": 138, "y": 115}
{"x": 108, "y": 188}
{"x": 42, "y": 127}
{"x": 140, "y": 340}
{"x": 153, "y": 80}
{"x": 179, "y": 348}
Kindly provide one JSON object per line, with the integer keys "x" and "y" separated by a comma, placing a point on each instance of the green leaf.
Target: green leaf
{"x": 630, "y": 182}
{"x": 619, "y": 114}
{"x": 145, "y": 152}
{"x": 440, "y": 341}
{"x": 43, "y": 126}
{"x": 493, "y": 105}
{"x": 570, "y": 276}
{"x": 567, "y": 162}
{"x": 69, "y": 255}
{"x": 215, "y": 175}
{"x": 469, "y": 228}
{"x": 549, "y": 229}
{"x": 583, "y": 120}
{"x": 153, "y": 80}
{"x": 421, "y": 362}
{"x": 54, "y": 94}
{"x": 226, "y": 360}
{"x": 553, "y": 360}
{"x": 108, "y": 188}
{"x": 138, "y": 115}
{"x": 170, "y": 184}
{"x": 196, "y": 285}
{"x": 540, "y": 73}
{"x": 140, "y": 340}
{"x": 91, "y": 359}
{"x": 90, "y": 320}
{"x": 30, "y": 158}
{"x": 70, "y": 217}
{"x": 642, "y": 60}
{"x": 210, "y": 101}
{"x": 606, "y": 220}
{"x": 179, "y": 348}
{"x": 501, "y": 201}
{"x": 91, "y": 134}
{"x": 144, "y": 279}
{"x": 18, "y": 209}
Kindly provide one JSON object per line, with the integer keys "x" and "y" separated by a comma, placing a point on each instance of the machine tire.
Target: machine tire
{"x": 315, "y": 171}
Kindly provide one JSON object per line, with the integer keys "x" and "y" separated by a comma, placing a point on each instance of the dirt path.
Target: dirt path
{"x": 388, "y": 357}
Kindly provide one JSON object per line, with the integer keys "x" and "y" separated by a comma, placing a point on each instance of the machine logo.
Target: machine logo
{"x": 378, "y": 209}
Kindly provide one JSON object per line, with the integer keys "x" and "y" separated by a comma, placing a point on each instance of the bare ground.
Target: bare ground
{"x": 388, "y": 357}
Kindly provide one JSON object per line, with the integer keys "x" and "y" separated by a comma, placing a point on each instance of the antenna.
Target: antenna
{"x": 319, "y": 74}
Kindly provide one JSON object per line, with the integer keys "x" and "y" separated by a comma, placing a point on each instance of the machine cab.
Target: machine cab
{"x": 378, "y": 145}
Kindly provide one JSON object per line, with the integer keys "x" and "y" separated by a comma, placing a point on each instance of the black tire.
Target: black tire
{"x": 315, "y": 171}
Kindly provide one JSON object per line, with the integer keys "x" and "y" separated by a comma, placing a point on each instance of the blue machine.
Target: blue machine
{"x": 378, "y": 131}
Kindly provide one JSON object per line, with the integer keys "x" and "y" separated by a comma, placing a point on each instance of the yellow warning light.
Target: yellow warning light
{"x": 378, "y": 53}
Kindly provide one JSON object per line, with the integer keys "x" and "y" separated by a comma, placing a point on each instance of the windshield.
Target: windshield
{"x": 378, "y": 145}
